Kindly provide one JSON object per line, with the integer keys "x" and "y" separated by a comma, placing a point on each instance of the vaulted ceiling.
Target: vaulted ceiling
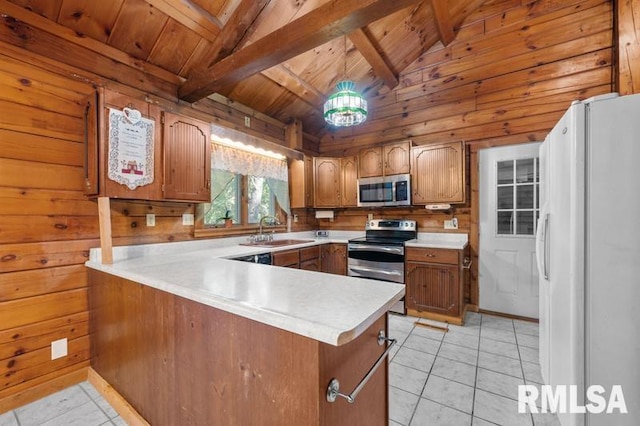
{"x": 279, "y": 57}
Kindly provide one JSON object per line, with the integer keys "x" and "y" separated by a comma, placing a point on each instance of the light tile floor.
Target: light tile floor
{"x": 466, "y": 376}
{"x": 79, "y": 405}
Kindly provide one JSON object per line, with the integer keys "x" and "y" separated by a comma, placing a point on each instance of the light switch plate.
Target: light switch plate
{"x": 151, "y": 219}
{"x": 58, "y": 348}
{"x": 187, "y": 219}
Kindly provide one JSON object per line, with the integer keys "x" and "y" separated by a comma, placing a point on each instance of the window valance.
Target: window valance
{"x": 247, "y": 163}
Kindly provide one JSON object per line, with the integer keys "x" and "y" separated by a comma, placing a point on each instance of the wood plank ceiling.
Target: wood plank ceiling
{"x": 279, "y": 57}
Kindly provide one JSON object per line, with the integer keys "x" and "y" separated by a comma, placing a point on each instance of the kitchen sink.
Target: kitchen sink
{"x": 276, "y": 243}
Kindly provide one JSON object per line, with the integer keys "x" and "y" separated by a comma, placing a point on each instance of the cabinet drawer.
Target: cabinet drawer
{"x": 309, "y": 253}
{"x": 310, "y": 265}
{"x": 286, "y": 258}
{"x": 432, "y": 255}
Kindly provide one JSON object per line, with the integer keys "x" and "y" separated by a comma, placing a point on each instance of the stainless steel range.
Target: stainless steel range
{"x": 380, "y": 254}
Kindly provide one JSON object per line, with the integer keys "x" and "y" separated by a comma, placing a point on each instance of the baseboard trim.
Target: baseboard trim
{"x": 124, "y": 409}
{"x": 40, "y": 390}
{"x": 515, "y": 317}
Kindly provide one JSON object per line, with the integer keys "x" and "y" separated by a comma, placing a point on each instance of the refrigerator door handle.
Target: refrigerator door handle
{"x": 545, "y": 263}
{"x": 541, "y": 245}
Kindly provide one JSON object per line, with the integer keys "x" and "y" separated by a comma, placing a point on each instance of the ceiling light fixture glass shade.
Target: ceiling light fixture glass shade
{"x": 346, "y": 107}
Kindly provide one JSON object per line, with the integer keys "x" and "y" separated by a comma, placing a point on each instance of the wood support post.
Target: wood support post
{"x": 104, "y": 216}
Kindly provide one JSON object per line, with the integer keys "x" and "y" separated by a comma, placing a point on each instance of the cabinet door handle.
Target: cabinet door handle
{"x": 333, "y": 390}
{"x": 430, "y": 255}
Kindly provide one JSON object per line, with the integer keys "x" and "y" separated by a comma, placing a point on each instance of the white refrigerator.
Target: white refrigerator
{"x": 588, "y": 252}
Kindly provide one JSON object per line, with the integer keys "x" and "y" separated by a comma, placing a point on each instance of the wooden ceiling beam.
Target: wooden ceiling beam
{"x": 443, "y": 21}
{"x": 191, "y": 16}
{"x": 381, "y": 68}
{"x": 323, "y": 24}
{"x": 294, "y": 84}
{"x": 231, "y": 36}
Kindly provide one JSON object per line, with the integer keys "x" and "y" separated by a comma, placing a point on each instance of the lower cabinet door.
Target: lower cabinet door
{"x": 433, "y": 288}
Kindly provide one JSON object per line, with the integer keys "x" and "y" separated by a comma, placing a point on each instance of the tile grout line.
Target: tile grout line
{"x": 96, "y": 404}
{"x": 428, "y": 376}
{"x": 524, "y": 377}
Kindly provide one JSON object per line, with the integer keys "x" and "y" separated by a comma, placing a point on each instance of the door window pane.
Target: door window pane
{"x": 524, "y": 170}
{"x": 505, "y": 172}
{"x": 505, "y": 197}
{"x": 517, "y": 192}
{"x": 505, "y": 223}
{"x": 524, "y": 222}
{"x": 524, "y": 197}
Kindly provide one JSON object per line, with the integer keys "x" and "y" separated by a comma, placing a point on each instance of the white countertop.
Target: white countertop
{"x": 453, "y": 241}
{"x": 329, "y": 308}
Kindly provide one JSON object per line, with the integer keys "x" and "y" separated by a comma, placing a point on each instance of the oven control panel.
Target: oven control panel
{"x": 391, "y": 224}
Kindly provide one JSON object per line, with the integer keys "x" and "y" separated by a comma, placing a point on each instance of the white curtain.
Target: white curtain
{"x": 247, "y": 163}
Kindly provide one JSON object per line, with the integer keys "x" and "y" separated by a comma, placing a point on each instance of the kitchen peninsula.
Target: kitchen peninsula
{"x": 189, "y": 337}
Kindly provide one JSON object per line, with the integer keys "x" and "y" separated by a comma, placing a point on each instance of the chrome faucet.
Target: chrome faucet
{"x": 263, "y": 221}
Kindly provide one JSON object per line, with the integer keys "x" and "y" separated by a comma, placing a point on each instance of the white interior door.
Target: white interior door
{"x": 509, "y": 192}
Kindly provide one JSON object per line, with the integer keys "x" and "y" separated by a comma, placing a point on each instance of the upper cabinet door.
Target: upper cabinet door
{"x": 397, "y": 158}
{"x": 327, "y": 181}
{"x": 437, "y": 173}
{"x": 370, "y": 162}
{"x": 107, "y": 186}
{"x": 349, "y": 181}
{"x": 187, "y": 158}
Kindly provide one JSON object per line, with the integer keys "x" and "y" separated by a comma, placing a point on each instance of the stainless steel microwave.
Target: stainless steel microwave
{"x": 384, "y": 191}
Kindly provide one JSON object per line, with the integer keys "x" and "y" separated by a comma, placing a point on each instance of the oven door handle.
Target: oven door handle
{"x": 371, "y": 247}
{"x": 377, "y": 271}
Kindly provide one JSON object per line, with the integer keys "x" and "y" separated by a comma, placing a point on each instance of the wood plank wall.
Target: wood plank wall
{"x": 47, "y": 225}
{"x": 628, "y": 65}
{"x": 511, "y": 72}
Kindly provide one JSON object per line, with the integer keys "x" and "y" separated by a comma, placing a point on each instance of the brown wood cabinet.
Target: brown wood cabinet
{"x": 385, "y": 160}
{"x": 301, "y": 182}
{"x": 349, "y": 181}
{"x": 438, "y": 173}
{"x": 333, "y": 258}
{"x": 97, "y": 181}
{"x": 288, "y": 258}
{"x": 181, "y": 154}
{"x": 180, "y": 362}
{"x": 310, "y": 258}
{"x": 434, "y": 284}
{"x": 335, "y": 182}
{"x": 307, "y": 258}
{"x": 187, "y": 158}
{"x": 397, "y": 158}
{"x": 370, "y": 162}
{"x": 326, "y": 178}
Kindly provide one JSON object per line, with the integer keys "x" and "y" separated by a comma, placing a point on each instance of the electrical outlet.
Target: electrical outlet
{"x": 151, "y": 219}
{"x": 295, "y": 218}
{"x": 370, "y": 216}
{"x": 451, "y": 224}
{"x": 247, "y": 121}
{"x": 58, "y": 348}
{"x": 187, "y": 219}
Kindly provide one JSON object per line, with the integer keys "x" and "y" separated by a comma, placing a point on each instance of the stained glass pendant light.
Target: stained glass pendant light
{"x": 346, "y": 107}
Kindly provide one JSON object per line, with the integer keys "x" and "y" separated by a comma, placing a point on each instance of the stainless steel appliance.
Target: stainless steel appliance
{"x": 380, "y": 254}
{"x": 263, "y": 258}
{"x": 384, "y": 191}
